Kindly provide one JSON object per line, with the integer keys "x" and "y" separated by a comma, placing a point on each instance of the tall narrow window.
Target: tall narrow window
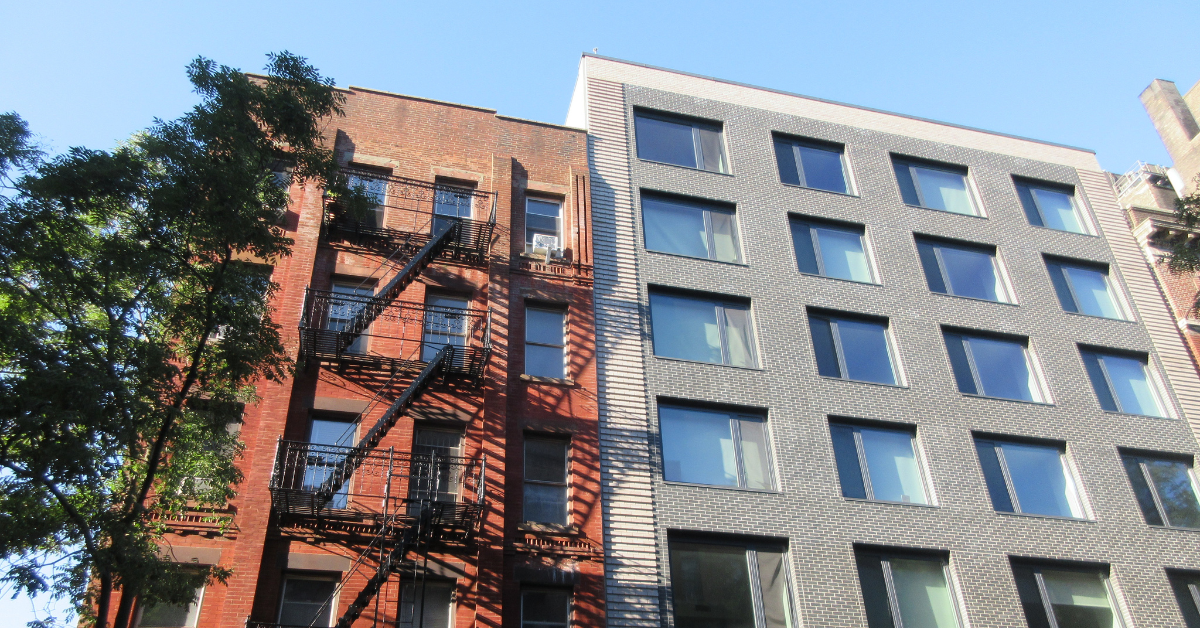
{"x": 445, "y": 324}
{"x": 450, "y": 201}
{"x": 437, "y": 467}
{"x": 1186, "y": 585}
{"x": 692, "y": 228}
{"x": 715, "y": 448}
{"x": 811, "y": 164}
{"x": 1050, "y": 205}
{"x": 993, "y": 366}
{"x": 1165, "y": 489}
{"x": 962, "y": 270}
{"x": 1084, "y": 288}
{"x": 329, "y": 441}
{"x": 852, "y": 348}
{"x": 307, "y": 601}
{"x": 680, "y": 141}
{"x": 715, "y": 584}
{"x": 347, "y": 303}
{"x": 906, "y": 589}
{"x": 702, "y": 330}
{"x": 546, "y": 480}
{"x": 543, "y": 226}
{"x": 1029, "y": 479}
{"x": 429, "y": 604}
{"x": 172, "y": 615}
{"x": 1122, "y": 383}
{"x": 545, "y": 342}
{"x": 877, "y": 463}
{"x": 545, "y": 608}
{"x": 376, "y": 192}
{"x": 1065, "y": 597}
{"x": 935, "y": 186}
{"x": 831, "y": 249}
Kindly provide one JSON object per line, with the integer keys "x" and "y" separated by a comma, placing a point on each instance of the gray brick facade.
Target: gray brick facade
{"x": 808, "y": 510}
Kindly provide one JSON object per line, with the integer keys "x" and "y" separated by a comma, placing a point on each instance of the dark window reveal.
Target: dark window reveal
{"x": 680, "y": 141}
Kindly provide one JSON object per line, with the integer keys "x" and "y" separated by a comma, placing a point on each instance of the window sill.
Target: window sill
{"x": 692, "y": 168}
{"x": 553, "y": 381}
{"x": 861, "y": 381}
{"x": 760, "y": 491}
{"x": 959, "y": 296}
{"x": 1047, "y": 404}
{"x": 1031, "y": 515}
{"x": 1103, "y": 318}
{"x": 844, "y": 280}
{"x": 1090, "y": 235}
{"x": 805, "y": 187}
{"x": 943, "y": 211}
{"x": 728, "y": 366}
{"x": 549, "y": 528}
{"x": 886, "y": 502}
{"x": 702, "y": 259}
{"x": 1176, "y": 528}
{"x": 542, "y": 258}
{"x": 1140, "y": 416}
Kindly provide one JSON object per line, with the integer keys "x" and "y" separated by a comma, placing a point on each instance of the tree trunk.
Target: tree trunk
{"x": 104, "y": 600}
{"x": 124, "y": 609}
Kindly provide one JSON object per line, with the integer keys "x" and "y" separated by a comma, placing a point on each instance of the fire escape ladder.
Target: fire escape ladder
{"x": 393, "y": 562}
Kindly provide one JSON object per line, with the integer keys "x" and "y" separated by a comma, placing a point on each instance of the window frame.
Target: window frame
{"x": 327, "y": 577}
{"x": 561, "y": 311}
{"x": 1076, "y": 485}
{"x": 362, "y": 344}
{"x": 963, "y": 171}
{"x": 357, "y": 179}
{"x": 1085, "y": 221}
{"x": 1156, "y": 386}
{"x": 720, "y": 304}
{"x": 794, "y": 142}
{"x": 735, "y": 433}
{"x": 543, "y": 624}
{"x": 1042, "y": 389}
{"x": 1060, "y": 264}
{"x": 864, "y": 469}
{"x": 565, "y": 484}
{"x": 893, "y": 352}
{"x": 885, "y": 556}
{"x": 706, "y": 209}
{"x": 684, "y": 120}
{"x": 750, "y": 548}
{"x": 558, "y": 221}
{"x": 797, "y": 221}
{"x": 192, "y": 618}
{"x": 993, "y": 252}
{"x": 1102, "y": 571}
{"x": 1140, "y": 458}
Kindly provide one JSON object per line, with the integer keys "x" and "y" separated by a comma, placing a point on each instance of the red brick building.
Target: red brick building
{"x": 434, "y": 461}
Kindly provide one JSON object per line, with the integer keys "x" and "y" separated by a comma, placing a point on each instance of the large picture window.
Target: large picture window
{"x": 1123, "y": 383}
{"x": 993, "y": 366}
{"x": 935, "y": 186}
{"x": 704, "y": 330}
{"x": 812, "y": 164}
{"x": 714, "y": 447}
{"x": 906, "y": 589}
{"x": 691, "y": 228}
{"x": 680, "y": 141}
{"x": 852, "y": 348}
{"x": 962, "y": 270}
{"x": 1029, "y": 479}
{"x": 715, "y": 584}
{"x": 1052, "y": 206}
{"x": 878, "y": 463}
{"x": 1067, "y": 596}
{"x": 831, "y": 249}
{"x": 1165, "y": 489}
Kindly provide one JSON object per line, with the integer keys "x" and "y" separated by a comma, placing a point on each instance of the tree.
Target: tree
{"x": 1184, "y": 256}
{"x": 131, "y": 335}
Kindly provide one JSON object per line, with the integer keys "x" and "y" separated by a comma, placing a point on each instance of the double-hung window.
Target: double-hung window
{"x": 376, "y": 192}
{"x": 428, "y": 604}
{"x": 877, "y": 463}
{"x": 906, "y": 589}
{"x": 935, "y": 186}
{"x": 852, "y": 348}
{"x": 1084, "y": 288}
{"x": 543, "y": 226}
{"x": 329, "y": 441}
{"x": 963, "y": 270}
{"x": 545, "y": 608}
{"x": 308, "y": 601}
{"x": 1028, "y": 478}
{"x": 702, "y": 329}
{"x": 831, "y": 249}
{"x": 1186, "y": 585}
{"x": 714, "y": 447}
{"x": 171, "y": 615}
{"x": 1165, "y": 489}
{"x": 546, "y": 472}
{"x": 733, "y": 585}
{"x": 1123, "y": 383}
{"x": 450, "y": 201}
{"x": 811, "y": 164}
{"x": 346, "y": 304}
{"x": 1066, "y": 596}
{"x": 1051, "y": 205}
{"x": 445, "y": 324}
{"x": 680, "y": 141}
{"x": 993, "y": 366}
{"x": 545, "y": 342}
{"x": 690, "y": 227}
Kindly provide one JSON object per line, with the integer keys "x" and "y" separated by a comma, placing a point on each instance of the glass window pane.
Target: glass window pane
{"x": 846, "y": 455}
{"x": 843, "y": 255}
{"x": 933, "y": 269}
{"x": 545, "y": 608}
{"x": 451, "y": 201}
{"x": 1141, "y": 490}
{"x": 972, "y": 273}
{"x": 307, "y": 602}
{"x": 1176, "y": 490}
{"x": 1092, "y": 292}
{"x": 993, "y": 475}
{"x": 711, "y": 586}
{"x": 1031, "y": 211}
{"x": 773, "y": 583}
{"x": 908, "y": 188}
{"x": 1188, "y": 596}
{"x": 739, "y": 337}
{"x": 1003, "y": 369}
{"x": 172, "y": 615}
{"x": 1078, "y": 599}
{"x": 546, "y": 460}
{"x": 866, "y": 351}
{"x": 1058, "y": 210}
{"x": 823, "y": 347}
{"x": 545, "y": 503}
{"x": 1061, "y": 287}
{"x": 806, "y": 255}
{"x": 892, "y": 466}
{"x": 922, "y": 593}
{"x": 713, "y": 150}
{"x": 1132, "y": 386}
{"x": 1091, "y": 362}
{"x": 874, "y": 590}
{"x": 697, "y": 446}
{"x": 1031, "y": 596}
{"x": 786, "y": 159}
{"x": 685, "y": 328}
{"x": 541, "y": 361}
{"x": 432, "y": 602}
{"x": 944, "y": 190}
{"x": 725, "y": 247}
{"x": 674, "y": 227}
{"x": 544, "y": 326}
{"x": 668, "y": 142}
{"x": 1039, "y": 476}
{"x": 755, "y": 461}
{"x": 822, "y": 169}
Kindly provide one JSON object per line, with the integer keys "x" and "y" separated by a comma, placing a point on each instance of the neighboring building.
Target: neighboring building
{"x": 434, "y": 461}
{"x": 864, "y": 369}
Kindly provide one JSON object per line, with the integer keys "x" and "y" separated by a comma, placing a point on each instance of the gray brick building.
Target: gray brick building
{"x": 757, "y": 371}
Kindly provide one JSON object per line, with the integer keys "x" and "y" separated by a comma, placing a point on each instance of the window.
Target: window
{"x": 1028, "y": 479}
{"x": 1065, "y": 597}
{"x": 680, "y": 141}
{"x": 543, "y": 226}
{"x": 703, "y": 330}
{"x": 376, "y": 192}
{"x": 935, "y": 186}
{"x": 715, "y": 584}
{"x": 437, "y": 467}
{"x": 328, "y": 438}
{"x": 692, "y": 228}
{"x": 877, "y": 463}
{"x": 453, "y": 201}
{"x": 344, "y": 308}
{"x": 545, "y": 608}
{"x": 545, "y": 342}
{"x": 831, "y": 249}
{"x": 1084, "y": 288}
{"x": 1186, "y": 586}
{"x": 432, "y": 601}
{"x": 962, "y": 270}
{"x": 546, "y": 480}
{"x": 1165, "y": 489}
{"x": 172, "y": 615}
{"x": 811, "y": 164}
{"x": 1053, "y": 206}
{"x": 1123, "y": 384}
{"x": 852, "y": 348}
{"x": 714, "y": 447}
{"x": 307, "y": 601}
{"x": 905, "y": 589}
{"x": 993, "y": 366}
{"x": 445, "y": 324}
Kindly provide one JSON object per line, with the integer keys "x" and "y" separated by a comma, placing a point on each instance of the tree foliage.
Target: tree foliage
{"x": 131, "y": 335}
{"x": 1184, "y": 256}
